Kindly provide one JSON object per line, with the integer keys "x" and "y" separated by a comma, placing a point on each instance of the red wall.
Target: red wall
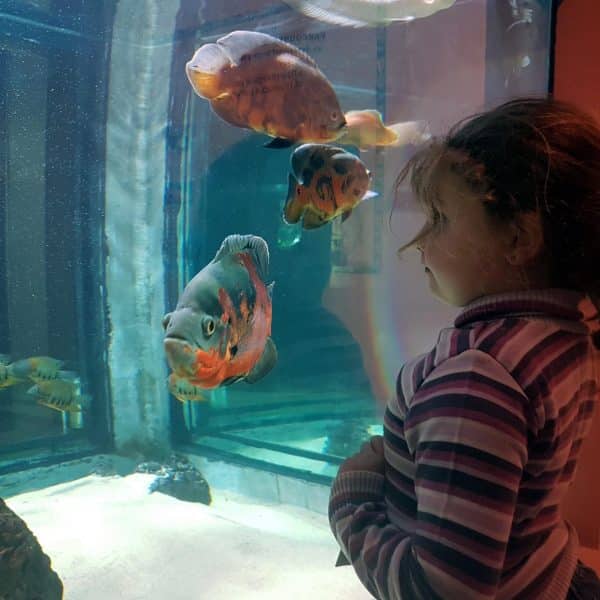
{"x": 577, "y": 63}
{"x": 577, "y": 79}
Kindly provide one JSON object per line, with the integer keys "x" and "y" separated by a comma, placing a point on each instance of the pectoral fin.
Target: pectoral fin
{"x": 231, "y": 380}
{"x": 265, "y": 363}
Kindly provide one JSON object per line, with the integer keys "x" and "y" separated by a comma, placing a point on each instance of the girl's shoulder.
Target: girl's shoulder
{"x": 511, "y": 341}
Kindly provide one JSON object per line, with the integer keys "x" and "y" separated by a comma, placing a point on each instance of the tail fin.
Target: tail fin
{"x": 409, "y": 132}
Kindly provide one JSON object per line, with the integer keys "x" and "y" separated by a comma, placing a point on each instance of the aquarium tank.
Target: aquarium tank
{"x": 118, "y": 183}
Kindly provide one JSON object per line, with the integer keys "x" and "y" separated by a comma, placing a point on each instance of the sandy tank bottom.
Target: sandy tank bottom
{"x": 109, "y": 538}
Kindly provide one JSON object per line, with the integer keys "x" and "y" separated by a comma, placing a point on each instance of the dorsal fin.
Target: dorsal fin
{"x": 367, "y": 111}
{"x": 253, "y": 245}
{"x": 244, "y": 43}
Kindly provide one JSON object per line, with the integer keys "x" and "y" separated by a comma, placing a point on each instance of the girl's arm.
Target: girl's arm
{"x": 466, "y": 431}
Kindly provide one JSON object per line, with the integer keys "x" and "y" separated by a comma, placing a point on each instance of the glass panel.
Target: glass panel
{"x": 53, "y": 58}
{"x": 342, "y": 301}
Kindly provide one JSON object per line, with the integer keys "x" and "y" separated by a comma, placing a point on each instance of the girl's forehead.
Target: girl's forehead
{"x": 445, "y": 190}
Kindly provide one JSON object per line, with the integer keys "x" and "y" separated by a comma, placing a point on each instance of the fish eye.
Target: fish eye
{"x": 334, "y": 115}
{"x": 208, "y": 326}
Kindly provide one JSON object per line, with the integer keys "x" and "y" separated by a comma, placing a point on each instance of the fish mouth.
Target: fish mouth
{"x": 176, "y": 336}
{"x": 190, "y": 362}
{"x": 180, "y": 355}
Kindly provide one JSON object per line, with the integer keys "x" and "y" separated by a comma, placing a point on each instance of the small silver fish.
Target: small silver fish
{"x": 368, "y": 13}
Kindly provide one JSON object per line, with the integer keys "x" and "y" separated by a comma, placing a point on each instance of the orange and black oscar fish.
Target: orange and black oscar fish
{"x": 220, "y": 330}
{"x": 256, "y": 81}
{"x": 325, "y": 182}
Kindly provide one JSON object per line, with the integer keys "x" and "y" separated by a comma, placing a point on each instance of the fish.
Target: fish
{"x": 7, "y": 378}
{"x": 59, "y": 394}
{"x": 36, "y": 367}
{"x": 326, "y": 182}
{"x": 366, "y": 129}
{"x": 368, "y": 13}
{"x": 256, "y": 81}
{"x": 220, "y": 330}
{"x": 183, "y": 390}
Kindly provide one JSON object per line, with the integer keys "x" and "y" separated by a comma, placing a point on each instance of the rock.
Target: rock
{"x": 25, "y": 571}
{"x": 178, "y": 478}
{"x": 184, "y": 486}
{"x": 149, "y": 467}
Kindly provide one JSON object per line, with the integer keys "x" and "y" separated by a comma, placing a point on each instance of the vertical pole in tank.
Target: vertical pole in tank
{"x": 76, "y": 419}
{"x": 379, "y": 175}
{"x": 65, "y": 421}
{"x": 136, "y": 214}
{"x": 188, "y": 415}
{"x": 218, "y": 397}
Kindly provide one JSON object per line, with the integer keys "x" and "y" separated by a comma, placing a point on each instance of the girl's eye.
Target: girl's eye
{"x": 438, "y": 218}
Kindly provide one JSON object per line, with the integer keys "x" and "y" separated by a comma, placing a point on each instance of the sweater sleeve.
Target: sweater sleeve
{"x": 467, "y": 434}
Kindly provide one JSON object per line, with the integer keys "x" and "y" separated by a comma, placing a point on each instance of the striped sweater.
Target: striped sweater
{"x": 480, "y": 443}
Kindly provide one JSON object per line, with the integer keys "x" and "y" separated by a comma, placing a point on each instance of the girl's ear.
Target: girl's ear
{"x": 527, "y": 239}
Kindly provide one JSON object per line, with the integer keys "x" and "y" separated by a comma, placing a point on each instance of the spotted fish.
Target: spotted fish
{"x": 326, "y": 182}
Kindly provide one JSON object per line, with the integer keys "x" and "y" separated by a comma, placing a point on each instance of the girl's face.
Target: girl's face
{"x": 464, "y": 254}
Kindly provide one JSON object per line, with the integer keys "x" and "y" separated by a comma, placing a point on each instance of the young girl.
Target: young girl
{"x": 461, "y": 498}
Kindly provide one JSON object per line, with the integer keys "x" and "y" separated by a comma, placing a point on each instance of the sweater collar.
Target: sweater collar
{"x": 549, "y": 303}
